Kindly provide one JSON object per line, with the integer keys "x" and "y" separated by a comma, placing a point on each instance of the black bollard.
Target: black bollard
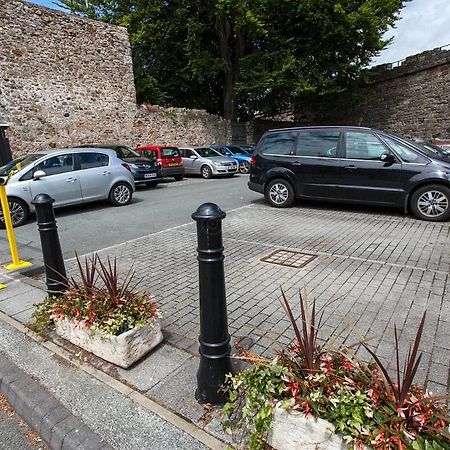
{"x": 214, "y": 338}
{"x": 55, "y": 271}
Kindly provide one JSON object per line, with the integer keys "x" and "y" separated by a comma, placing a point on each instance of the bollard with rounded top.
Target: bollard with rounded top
{"x": 55, "y": 271}
{"x": 214, "y": 338}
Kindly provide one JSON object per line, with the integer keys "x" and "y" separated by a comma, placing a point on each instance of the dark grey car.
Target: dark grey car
{"x": 351, "y": 164}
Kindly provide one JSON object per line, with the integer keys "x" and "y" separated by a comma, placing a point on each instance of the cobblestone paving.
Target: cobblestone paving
{"x": 373, "y": 269}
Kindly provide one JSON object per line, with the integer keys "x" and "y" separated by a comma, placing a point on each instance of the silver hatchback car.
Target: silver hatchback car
{"x": 207, "y": 162}
{"x": 70, "y": 176}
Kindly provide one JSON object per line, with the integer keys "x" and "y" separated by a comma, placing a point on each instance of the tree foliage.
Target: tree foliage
{"x": 241, "y": 57}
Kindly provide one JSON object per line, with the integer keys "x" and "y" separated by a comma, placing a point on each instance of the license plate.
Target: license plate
{"x": 173, "y": 164}
{"x": 149, "y": 175}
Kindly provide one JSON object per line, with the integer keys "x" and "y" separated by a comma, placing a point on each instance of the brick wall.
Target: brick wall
{"x": 66, "y": 80}
{"x": 411, "y": 99}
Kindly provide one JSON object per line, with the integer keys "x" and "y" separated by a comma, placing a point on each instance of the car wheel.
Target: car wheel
{"x": 244, "y": 167}
{"x": 179, "y": 177}
{"x": 18, "y": 210}
{"x": 280, "y": 193}
{"x": 206, "y": 172}
{"x": 120, "y": 194}
{"x": 151, "y": 184}
{"x": 431, "y": 203}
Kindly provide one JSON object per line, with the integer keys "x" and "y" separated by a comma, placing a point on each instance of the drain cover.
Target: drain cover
{"x": 289, "y": 258}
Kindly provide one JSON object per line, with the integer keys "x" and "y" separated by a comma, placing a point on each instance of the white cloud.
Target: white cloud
{"x": 424, "y": 25}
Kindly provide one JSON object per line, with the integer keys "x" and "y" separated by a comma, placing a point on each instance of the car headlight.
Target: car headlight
{"x": 217, "y": 163}
{"x": 157, "y": 164}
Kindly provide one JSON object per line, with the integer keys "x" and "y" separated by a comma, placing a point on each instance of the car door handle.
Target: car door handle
{"x": 106, "y": 173}
{"x": 71, "y": 180}
{"x": 296, "y": 163}
{"x": 351, "y": 167}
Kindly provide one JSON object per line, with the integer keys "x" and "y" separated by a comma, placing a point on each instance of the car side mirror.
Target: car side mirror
{"x": 3, "y": 181}
{"x": 39, "y": 174}
{"x": 193, "y": 157}
{"x": 387, "y": 158}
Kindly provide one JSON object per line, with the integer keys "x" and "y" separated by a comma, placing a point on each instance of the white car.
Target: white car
{"x": 70, "y": 176}
{"x": 207, "y": 162}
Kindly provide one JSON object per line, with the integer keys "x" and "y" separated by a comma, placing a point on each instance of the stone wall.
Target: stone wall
{"x": 66, "y": 80}
{"x": 411, "y": 99}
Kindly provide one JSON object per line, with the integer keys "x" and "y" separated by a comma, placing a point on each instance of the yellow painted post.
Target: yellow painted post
{"x": 17, "y": 263}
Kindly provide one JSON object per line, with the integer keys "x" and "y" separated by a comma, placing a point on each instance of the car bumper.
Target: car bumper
{"x": 256, "y": 187}
{"x": 217, "y": 170}
{"x": 172, "y": 171}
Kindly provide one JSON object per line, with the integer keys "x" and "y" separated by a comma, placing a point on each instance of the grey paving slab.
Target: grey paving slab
{"x": 21, "y": 302}
{"x": 372, "y": 269}
{"x": 154, "y": 368}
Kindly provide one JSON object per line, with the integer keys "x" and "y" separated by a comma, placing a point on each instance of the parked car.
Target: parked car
{"x": 240, "y": 155}
{"x": 168, "y": 157}
{"x": 207, "y": 162}
{"x": 247, "y": 147}
{"x": 145, "y": 170}
{"x": 351, "y": 164}
{"x": 70, "y": 176}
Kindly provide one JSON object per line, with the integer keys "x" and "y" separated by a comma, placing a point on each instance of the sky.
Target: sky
{"x": 423, "y": 25}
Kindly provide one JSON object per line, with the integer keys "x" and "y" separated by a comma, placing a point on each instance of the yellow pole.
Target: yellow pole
{"x": 16, "y": 261}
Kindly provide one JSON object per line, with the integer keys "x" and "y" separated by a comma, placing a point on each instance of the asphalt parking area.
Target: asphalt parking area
{"x": 376, "y": 268}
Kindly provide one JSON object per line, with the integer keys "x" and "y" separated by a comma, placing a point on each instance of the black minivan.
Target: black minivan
{"x": 352, "y": 164}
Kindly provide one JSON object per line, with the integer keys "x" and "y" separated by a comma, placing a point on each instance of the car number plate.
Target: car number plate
{"x": 173, "y": 164}
{"x": 149, "y": 175}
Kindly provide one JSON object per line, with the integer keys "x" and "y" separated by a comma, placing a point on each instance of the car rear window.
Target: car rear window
{"x": 279, "y": 143}
{"x": 169, "y": 153}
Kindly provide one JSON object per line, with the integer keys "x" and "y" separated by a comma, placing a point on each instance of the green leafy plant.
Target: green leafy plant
{"x": 99, "y": 301}
{"x": 361, "y": 400}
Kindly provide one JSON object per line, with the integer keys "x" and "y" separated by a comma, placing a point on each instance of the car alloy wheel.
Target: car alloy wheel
{"x": 280, "y": 193}
{"x": 433, "y": 204}
{"x": 244, "y": 167}
{"x": 206, "y": 172}
{"x": 18, "y": 212}
{"x": 120, "y": 194}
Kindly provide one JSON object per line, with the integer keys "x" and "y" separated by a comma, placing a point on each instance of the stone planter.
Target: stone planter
{"x": 291, "y": 431}
{"x": 122, "y": 350}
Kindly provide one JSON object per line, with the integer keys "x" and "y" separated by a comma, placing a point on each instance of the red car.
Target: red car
{"x": 169, "y": 158}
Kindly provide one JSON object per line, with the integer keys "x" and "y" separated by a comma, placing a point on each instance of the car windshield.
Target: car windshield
{"x": 430, "y": 149}
{"x": 126, "y": 152}
{"x": 207, "y": 152}
{"x": 19, "y": 163}
{"x": 237, "y": 151}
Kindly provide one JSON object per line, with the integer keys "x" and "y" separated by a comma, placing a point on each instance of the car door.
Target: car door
{"x": 316, "y": 162}
{"x": 61, "y": 182}
{"x": 365, "y": 176}
{"x": 188, "y": 162}
{"x": 95, "y": 175}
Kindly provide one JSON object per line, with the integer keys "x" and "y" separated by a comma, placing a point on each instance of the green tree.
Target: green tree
{"x": 241, "y": 57}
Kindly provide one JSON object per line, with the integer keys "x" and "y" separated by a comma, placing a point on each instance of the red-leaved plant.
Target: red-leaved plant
{"x": 100, "y": 300}
{"x": 404, "y": 382}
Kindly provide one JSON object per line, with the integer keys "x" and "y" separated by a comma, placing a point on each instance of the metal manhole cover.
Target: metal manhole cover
{"x": 289, "y": 258}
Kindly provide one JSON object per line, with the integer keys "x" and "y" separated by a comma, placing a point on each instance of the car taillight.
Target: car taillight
{"x": 253, "y": 160}
{"x": 127, "y": 166}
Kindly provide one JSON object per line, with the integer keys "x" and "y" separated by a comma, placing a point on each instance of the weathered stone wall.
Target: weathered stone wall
{"x": 412, "y": 99}
{"x": 66, "y": 80}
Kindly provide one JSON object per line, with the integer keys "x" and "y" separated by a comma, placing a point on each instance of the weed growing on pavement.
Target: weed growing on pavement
{"x": 366, "y": 406}
{"x": 100, "y": 301}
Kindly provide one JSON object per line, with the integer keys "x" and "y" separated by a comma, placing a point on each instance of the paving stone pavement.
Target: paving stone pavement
{"x": 373, "y": 269}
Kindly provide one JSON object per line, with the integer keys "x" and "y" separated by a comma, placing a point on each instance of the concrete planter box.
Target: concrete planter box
{"x": 291, "y": 431}
{"x": 122, "y": 350}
